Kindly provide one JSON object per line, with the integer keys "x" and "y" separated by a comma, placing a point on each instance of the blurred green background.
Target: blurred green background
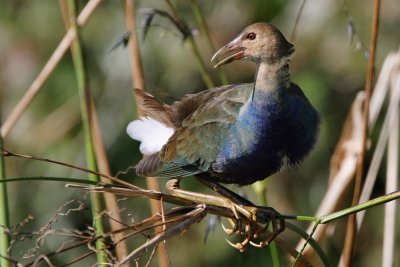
{"x": 328, "y": 65}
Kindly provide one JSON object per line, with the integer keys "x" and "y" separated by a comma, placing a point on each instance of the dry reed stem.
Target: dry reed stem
{"x": 55, "y": 58}
{"x": 388, "y": 123}
{"x": 138, "y": 82}
{"x": 351, "y": 228}
{"x": 343, "y": 167}
{"x": 389, "y": 227}
{"x": 111, "y": 203}
{"x": 343, "y": 162}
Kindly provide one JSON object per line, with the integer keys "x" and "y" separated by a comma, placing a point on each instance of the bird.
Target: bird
{"x": 232, "y": 134}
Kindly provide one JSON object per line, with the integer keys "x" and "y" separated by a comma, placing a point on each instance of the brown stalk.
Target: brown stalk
{"x": 138, "y": 82}
{"x": 351, "y": 222}
{"x": 55, "y": 58}
{"x": 104, "y": 167}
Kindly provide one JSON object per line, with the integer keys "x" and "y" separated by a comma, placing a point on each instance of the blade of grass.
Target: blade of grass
{"x": 47, "y": 70}
{"x": 360, "y": 207}
{"x": 85, "y": 100}
{"x": 4, "y": 214}
{"x": 260, "y": 189}
{"x": 324, "y": 258}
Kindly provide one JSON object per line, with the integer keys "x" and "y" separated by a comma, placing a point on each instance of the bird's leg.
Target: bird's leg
{"x": 174, "y": 189}
{"x": 263, "y": 213}
{"x": 266, "y": 214}
{"x": 246, "y": 213}
{"x": 245, "y": 217}
{"x": 222, "y": 190}
{"x": 277, "y": 228}
{"x": 235, "y": 224}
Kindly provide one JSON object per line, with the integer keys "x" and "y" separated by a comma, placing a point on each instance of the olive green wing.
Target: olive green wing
{"x": 195, "y": 145}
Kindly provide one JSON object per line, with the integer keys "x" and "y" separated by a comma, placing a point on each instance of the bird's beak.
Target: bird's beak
{"x": 234, "y": 46}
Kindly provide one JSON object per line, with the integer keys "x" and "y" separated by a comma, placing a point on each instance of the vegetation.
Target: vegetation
{"x": 70, "y": 107}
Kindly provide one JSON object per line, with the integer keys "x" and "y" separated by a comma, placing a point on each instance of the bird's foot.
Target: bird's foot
{"x": 248, "y": 220}
{"x": 253, "y": 223}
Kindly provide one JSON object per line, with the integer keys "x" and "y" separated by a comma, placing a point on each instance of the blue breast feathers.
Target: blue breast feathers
{"x": 270, "y": 128}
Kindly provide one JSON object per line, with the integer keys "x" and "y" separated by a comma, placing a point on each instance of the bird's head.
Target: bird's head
{"x": 259, "y": 42}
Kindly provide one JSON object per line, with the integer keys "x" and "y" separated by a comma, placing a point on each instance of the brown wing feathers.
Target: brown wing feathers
{"x": 153, "y": 108}
{"x": 148, "y": 165}
{"x": 159, "y": 111}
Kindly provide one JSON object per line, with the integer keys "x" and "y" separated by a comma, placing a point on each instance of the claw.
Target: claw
{"x": 261, "y": 244}
{"x": 238, "y": 246}
{"x": 234, "y": 210}
{"x": 246, "y": 224}
{"x": 228, "y": 231}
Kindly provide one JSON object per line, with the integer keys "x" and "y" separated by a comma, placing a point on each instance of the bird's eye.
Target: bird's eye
{"x": 251, "y": 36}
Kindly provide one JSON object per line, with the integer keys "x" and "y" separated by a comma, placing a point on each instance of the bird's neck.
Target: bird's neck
{"x": 272, "y": 77}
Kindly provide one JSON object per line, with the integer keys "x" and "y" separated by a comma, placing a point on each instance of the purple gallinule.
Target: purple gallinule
{"x": 239, "y": 133}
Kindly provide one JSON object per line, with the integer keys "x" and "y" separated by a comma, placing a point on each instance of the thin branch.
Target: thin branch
{"x": 296, "y": 22}
{"x": 6, "y": 153}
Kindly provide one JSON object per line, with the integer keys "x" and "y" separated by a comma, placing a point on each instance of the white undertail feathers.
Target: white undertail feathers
{"x": 152, "y": 134}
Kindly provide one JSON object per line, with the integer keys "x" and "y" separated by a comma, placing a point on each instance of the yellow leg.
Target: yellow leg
{"x": 246, "y": 213}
